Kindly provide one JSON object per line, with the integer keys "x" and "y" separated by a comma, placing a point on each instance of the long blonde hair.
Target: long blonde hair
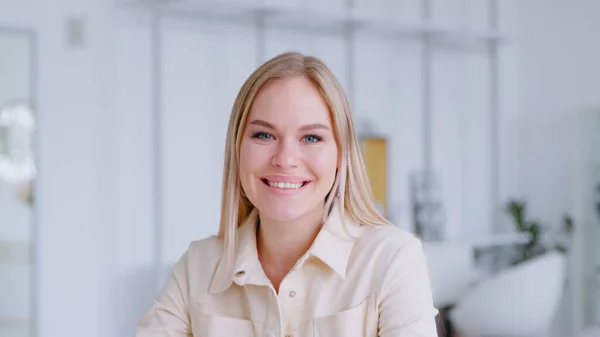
{"x": 351, "y": 187}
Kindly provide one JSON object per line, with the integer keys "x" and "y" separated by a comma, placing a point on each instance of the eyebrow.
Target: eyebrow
{"x": 307, "y": 127}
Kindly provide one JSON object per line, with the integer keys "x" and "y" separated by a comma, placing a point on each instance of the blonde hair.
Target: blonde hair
{"x": 351, "y": 187}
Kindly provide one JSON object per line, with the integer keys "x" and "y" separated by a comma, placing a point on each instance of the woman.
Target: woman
{"x": 302, "y": 250}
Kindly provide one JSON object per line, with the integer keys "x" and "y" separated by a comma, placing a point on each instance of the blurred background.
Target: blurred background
{"x": 479, "y": 120}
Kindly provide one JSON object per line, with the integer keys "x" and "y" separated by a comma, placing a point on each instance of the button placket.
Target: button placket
{"x": 290, "y": 299}
{"x": 273, "y": 322}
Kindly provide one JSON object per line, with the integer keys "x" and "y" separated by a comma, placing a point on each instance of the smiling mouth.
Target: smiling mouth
{"x": 285, "y": 186}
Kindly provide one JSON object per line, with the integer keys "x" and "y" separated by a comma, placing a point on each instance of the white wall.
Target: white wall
{"x": 95, "y": 192}
{"x": 75, "y": 208}
{"x": 15, "y": 51}
{"x": 199, "y": 86}
{"x": 559, "y": 76}
{"x": 14, "y": 66}
{"x": 15, "y": 215}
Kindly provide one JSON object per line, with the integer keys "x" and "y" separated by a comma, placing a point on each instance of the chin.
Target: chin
{"x": 289, "y": 212}
{"x": 279, "y": 213}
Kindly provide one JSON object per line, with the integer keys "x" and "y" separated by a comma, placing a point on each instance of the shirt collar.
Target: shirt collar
{"x": 334, "y": 243}
{"x": 239, "y": 262}
{"x": 333, "y": 246}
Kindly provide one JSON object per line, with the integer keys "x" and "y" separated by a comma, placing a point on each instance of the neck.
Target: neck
{"x": 281, "y": 244}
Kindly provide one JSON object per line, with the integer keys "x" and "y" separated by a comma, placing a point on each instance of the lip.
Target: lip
{"x": 285, "y": 179}
{"x": 278, "y": 178}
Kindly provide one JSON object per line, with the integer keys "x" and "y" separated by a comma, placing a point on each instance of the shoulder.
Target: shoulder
{"x": 204, "y": 252}
{"x": 402, "y": 282}
{"x": 197, "y": 266}
{"x": 387, "y": 255}
{"x": 209, "y": 245}
{"x": 391, "y": 240}
{"x": 200, "y": 260}
{"x": 399, "y": 256}
{"x": 390, "y": 249}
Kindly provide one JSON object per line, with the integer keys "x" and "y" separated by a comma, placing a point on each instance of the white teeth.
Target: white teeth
{"x": 284, "y": 185}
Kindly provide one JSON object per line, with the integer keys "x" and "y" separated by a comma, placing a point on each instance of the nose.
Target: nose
{"x": 286, "y": 154}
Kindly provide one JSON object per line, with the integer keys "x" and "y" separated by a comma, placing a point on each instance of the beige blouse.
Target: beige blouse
{"x": 354, "y": 281}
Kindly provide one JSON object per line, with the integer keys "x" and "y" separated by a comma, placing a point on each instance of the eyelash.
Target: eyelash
{"x": 317, "y": 138}
{"x": 261, "y": 135}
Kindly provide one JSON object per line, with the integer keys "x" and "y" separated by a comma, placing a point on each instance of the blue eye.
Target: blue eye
{"x": 312, "y": 139}
{"x": 262, "y": 135}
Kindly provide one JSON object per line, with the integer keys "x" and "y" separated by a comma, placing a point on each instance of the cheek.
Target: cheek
{"x": 253, "y": 158}
{"x": 324, "y": 165}
{"x": 246, "y": 165}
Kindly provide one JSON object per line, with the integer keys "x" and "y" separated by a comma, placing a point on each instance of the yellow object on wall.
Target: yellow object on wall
{"x": 374, "y": 151}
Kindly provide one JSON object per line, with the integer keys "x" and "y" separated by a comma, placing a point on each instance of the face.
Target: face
{"x": 288, "y": 154}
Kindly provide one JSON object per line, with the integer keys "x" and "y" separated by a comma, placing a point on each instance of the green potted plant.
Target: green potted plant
{"x": 540, "y": 240}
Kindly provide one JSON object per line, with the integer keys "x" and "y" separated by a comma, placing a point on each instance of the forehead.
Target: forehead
{"x": 289, "y": 101}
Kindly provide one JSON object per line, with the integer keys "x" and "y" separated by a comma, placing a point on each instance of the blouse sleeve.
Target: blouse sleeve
{"x": 406, "y": 307}
{"x": 168, "y": 316}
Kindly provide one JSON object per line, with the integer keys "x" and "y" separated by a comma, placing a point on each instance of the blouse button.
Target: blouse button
{"x": 240, "y": 273}
{"x": 292, "y": 294}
